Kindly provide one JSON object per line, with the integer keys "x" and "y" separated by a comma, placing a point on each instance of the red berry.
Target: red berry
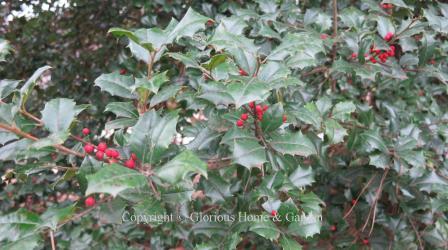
{"x": 265, "y": 108}
{"x": 205, "y": 76}
{"x": 432, "y": 61}
{"x": 365, "y": 241}
{"x": 99, "y": 155}
{"x": 353, "y": 202}
{"x": 354, "y": 55}
{"x": 88, "y": 148}
{"x": 388, "y": 36}
{"x": 273, "y": 212}
{"x": 260, "y": 116}
{"x": 243, "y": 73}
{"x": 285, "y": 118}
{"x": 252, "y": 105}
{"x": 109, "y": 152}
{"x": 258, "y": 108}
{"x": 392, "y": 47}
{"x": 133, "y": 156}
{"x": 333, "y": 228}
{"x": 372, "y": 59}
{"x": 240, "y": 123}
{"x": 123, "y": 71}
{"x": 85, "y": 131}
{"x": 210, "y": 22}
{"x": 115, "y": 154}
{"x": 130, "y": 164}
{"x": 244, "y": 116}
{"x": 102, "y": 146}
{"x": 90, "y": 201}
{"x": 323, "y": 36}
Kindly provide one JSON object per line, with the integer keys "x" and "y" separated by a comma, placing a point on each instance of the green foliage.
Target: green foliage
{"x": 337, "y": 149}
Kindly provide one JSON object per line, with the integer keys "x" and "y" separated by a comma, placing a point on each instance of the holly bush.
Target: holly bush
{"x": 278, "y": 124}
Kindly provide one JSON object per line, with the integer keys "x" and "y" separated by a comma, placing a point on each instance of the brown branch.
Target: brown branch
{"x": 315, "y": 70}
{"x": 372, "y": 211}
{"x": 420, "y": 242}
{"x": 359, "y": 196}
{"x": 53, "y": 244}
{"x": 21, "y": 133}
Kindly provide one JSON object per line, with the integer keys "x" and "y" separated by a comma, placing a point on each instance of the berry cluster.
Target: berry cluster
{"x": 112, "y": 154}
{"x": 257, "y": 111}
{"x": 382, "y": 55}
{"x": 387, "y": 6}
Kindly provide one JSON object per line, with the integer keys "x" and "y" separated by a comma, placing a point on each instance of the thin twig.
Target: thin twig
{"x": 372, "y": 211}
{"x": 419, "y": 239}
{"x": 359, "y": 196}
{"x": 53, "y": 244}
{"x": 21, "y": 133}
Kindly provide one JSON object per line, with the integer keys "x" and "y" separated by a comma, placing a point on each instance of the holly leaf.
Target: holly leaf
{"x": 248, "y": 153}
{"x": 302, "y": 177}
{"x": 122, "y": 109}
{"x": 180, "y": 166}
{"x": 58, "y": 115}
{"x": 342, "y": 110}
{"x": 114, "y": 178}
{"x": 334, "y": 131}
{"x": 152, "y": 134}
{"x": 30, "y": 83}
{"x": 293, "y": 143}
{"x": 116, "y": 84}
{"x": 266, "y": 229}
{"x": 310, "y": 114}
{"x": 289, "y": 244}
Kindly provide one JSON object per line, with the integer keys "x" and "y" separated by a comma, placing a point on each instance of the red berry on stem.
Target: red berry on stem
{"x": 102, "y": 146}
{"x": 90, "y": 202}
{"x": 323, "y": 36}
{"x": 252, "y": 105}
{"x": 273, "y": 212}
{"x": 243, "y": 73}
{"x": 99, "y": 155}
{"x": 123, "y": 71}
{"x": 133, "y": 156}
{"x": 244, "y": 116}
{"x": 258, "y": 108}
{"x": 88, "y": 148}
{"x": 365, "y": 241}
{"x": 389, "y": 36}
{"x": 115, "y": 154}
{"x": 285, "y": 118}
{"x": 85, "y": 131}
{"x": 130, "y": 164}
{"x": 333, "y": 228}
{"x": 354, "y": 55}
{"x": 353, "y": 202}
{"x": 265, "y": 108}
{"x": 372, "y": 59}
{"x": 239, "y": 123}
{"x": 109, "y": 152}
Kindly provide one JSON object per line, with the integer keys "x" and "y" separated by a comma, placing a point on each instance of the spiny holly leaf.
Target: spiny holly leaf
{"x": 7, "y": 87}
{"x": 122, "y": 109}
{"x": 55, "y": 215}
{"x": 248, "y": 153}
{"x": 116, "y": 84}
{"x": 307, "y": 226}
{"x": 191, "y": 23}
{"x": 342, "y": 110}
{"x": 29, "y": 85}
{"x": 152, "y": 134}
{"x": 152, "y": 84}
{"x": 379, "y": 160}
{"x": 293, "y": 143}
{"x": 373, "y": 140}
{"x": 182, "y": 165}
{"x": 310, "y": 203}
{"x": 113, "y": 179}
{"x": 310, "y": 115}
{"x": 302, "y": 177}
{"x": 334, "y": 131}
{"x": 243, "y": 93}
{"x": 266, "y": 229}
{"x": 58, "y": 114}
{"x": 289, "y": 244}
